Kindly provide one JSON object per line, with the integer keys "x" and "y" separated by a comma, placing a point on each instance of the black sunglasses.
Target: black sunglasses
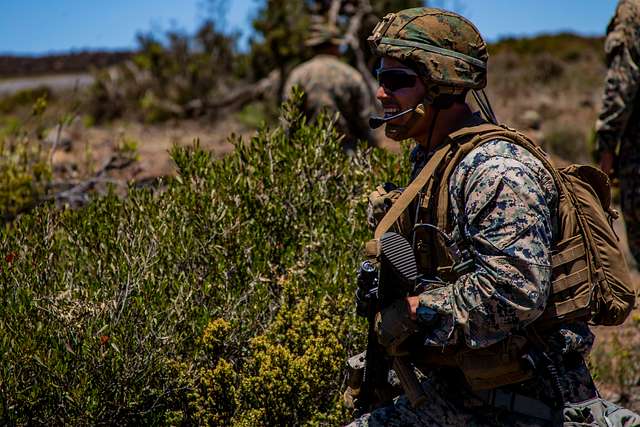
{"x": 396, "y": 78}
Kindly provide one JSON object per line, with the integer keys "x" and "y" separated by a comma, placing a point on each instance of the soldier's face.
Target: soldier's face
{"x": 396, "y": 99}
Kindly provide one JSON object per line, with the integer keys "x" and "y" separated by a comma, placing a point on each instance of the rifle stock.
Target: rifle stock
{"x": 397, "y": 277}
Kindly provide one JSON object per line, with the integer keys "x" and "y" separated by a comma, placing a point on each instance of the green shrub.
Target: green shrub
{"x": 616, "y": 361}
{"x": 175, "y": 76}
{"x": 24, "y": 176}
{"x": 25, "y": 171}
{"x": 25, "y": 97}
{"x": 224, "y": 299}
{"x": 255, "y": 114}
{"x": 563, "y": 46}
{"x": 568, "y": 143}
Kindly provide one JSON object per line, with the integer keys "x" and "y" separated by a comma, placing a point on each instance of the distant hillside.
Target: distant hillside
{"x": 551, "y": 87}
{"x": 20, "y": 66}
{"x": 564, "y": 45}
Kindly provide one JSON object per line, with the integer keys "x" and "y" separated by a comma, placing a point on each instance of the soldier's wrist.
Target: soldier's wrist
{"x": 427, "y": 316}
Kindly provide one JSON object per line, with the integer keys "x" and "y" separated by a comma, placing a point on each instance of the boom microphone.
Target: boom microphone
{"x": 376, "y": 121}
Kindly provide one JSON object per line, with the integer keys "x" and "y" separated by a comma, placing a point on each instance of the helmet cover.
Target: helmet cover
{"x": 448, "y": 50}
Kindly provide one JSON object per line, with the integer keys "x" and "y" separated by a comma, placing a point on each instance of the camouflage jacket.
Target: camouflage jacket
{"x": 503, "y": 202}
{"x": 619, "y": 122}
{"x": 337, "y": 87}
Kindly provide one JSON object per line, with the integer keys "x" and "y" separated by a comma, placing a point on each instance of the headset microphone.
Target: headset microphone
{"x": 376, "y": 121}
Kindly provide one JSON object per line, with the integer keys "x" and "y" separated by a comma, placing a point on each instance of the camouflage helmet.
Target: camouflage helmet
{"x": 447, "y": 49}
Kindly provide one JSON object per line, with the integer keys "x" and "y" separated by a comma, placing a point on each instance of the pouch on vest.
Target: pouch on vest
{"x": 380, "y": 200}
{"x": 486, "y": 368}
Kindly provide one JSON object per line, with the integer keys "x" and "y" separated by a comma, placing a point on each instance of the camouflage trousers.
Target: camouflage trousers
{"x": 630, "y": 201}
{"x": 465, "y": 409}
{"x": 629, "y": 176}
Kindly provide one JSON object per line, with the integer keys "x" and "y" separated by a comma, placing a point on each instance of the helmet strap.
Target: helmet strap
{"x": 485, "y": 106}
{"x": 432, "y": 127}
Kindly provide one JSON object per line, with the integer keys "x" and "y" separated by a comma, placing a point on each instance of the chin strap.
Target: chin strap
{"x": 432, "y": 127}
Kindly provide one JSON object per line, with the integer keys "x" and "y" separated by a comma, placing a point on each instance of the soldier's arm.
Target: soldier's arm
{"x": 501, "y": 206}
{"x": 622, "y": 81}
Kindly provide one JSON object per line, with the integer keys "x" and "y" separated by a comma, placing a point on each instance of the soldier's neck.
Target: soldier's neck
{"x": 444, "y": 122}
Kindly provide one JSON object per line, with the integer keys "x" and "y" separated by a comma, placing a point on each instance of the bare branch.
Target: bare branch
{"x": 334, "y": 10}
{"x": 351, "y": 38}
{"x": 245, "y": 94}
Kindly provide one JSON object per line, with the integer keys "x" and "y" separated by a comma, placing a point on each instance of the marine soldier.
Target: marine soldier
{"x": 334, "y": 86}
{"x": 474, "y": 330}
{"x": 618, "y": 126}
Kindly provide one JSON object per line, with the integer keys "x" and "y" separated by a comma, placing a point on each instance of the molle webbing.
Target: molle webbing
{"x": 410, "y": 193}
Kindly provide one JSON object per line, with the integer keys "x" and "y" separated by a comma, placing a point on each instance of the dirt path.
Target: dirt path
{"x": 55, "y": 82}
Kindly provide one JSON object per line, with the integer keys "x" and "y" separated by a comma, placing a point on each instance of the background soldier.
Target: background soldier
{"x": 476, "y": 334}
{"x": 618, "y": 127}
{"x": 332, "y": 85}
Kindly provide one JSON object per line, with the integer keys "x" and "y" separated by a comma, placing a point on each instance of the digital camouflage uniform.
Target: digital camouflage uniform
{"x": 503, "y": 201}
{"x": 618, "y": 126}
{"x": 330, "y": 84}
{"x": 503, "y": 204}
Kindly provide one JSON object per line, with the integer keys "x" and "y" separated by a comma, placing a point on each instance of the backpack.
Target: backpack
{"x": 590, "y": 277}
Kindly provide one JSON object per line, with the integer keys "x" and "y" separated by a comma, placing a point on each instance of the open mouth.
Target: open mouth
{"x": 391, "y": 111}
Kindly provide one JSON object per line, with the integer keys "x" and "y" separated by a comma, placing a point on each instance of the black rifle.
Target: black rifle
{"x": 395, "y": 278}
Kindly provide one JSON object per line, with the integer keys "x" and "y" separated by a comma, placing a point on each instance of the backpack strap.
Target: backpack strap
{"x": 406, "y": 198}
{"x": 451, "y": 147}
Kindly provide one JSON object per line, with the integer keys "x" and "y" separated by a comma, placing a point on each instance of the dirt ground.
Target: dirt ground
{"x": 81, "y": 148}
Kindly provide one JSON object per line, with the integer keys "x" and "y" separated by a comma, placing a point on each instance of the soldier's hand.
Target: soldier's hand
{"x": 607, "y": 163}
{"x": 394, "y": 325}
{"x": 380, "y": 201}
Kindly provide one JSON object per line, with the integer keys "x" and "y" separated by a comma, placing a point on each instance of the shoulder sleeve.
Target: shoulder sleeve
{"x": 501, "y": 197}
{"x": 622, "y": 48}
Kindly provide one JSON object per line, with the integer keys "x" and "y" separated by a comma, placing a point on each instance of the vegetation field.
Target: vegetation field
{"x": 225, "y": 298}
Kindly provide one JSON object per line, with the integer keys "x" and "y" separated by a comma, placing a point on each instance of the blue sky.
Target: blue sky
{"x": 41, "y": 26}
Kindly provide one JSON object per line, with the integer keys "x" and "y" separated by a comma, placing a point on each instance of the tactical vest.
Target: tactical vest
{"x": 590, "y": 278}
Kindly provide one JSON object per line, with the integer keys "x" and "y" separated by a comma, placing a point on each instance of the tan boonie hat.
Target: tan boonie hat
{"x": 448, "y": 47}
